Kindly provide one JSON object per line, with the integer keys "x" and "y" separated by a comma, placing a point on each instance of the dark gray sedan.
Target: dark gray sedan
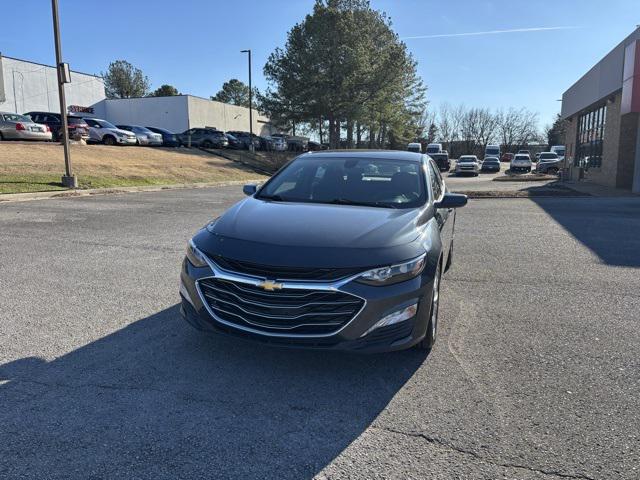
{"x": 339, "y": 250}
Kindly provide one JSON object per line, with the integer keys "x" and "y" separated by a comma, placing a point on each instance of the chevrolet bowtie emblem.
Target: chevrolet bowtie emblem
{"x": 270, "y": 286}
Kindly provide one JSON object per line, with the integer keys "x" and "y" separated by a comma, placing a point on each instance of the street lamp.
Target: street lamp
{"x": 69, "y": 180}
{"x": 251, "y": 147}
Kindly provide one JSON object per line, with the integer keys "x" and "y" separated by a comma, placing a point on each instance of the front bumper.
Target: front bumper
{"x": 126, "y": 140}
{"x": 379, "y": 302}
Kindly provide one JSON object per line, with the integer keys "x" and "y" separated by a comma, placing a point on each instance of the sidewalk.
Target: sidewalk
{"x": 593, "y": 189}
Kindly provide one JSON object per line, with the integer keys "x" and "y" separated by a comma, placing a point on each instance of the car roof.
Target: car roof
{"x": 373, "y": 154}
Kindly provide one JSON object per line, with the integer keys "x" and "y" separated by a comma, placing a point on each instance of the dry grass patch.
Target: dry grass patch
{"x": 28, "y": 167}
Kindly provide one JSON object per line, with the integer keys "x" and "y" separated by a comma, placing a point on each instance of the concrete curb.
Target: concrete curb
{"x": 24, "y": 197}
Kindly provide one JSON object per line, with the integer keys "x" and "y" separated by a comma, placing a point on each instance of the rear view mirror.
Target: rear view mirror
{"x": 250, "y": 189}
{"x": 452, "y": 200}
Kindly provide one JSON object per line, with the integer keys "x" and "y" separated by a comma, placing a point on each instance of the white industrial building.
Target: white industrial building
{"x": 179, "y": 113}
{"x": 27, "y": 86}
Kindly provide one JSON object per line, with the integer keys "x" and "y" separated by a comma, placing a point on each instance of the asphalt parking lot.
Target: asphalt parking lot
{"x": 535, "y": 374}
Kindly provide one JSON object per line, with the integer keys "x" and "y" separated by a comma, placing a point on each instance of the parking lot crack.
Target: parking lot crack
{"x": 471, "y": 453}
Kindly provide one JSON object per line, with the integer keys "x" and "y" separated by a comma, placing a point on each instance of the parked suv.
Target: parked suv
{"x": 75, "y": 124}
{"x": 101, "y": 131}
{"x": 203, "y": 137}
{"x": 549, "y": 162}
{"x": 246, "y": 139}
{"x": 468, "y": 164}
{"x": 442, "y": 160}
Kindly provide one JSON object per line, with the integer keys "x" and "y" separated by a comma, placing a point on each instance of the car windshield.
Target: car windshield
{"x": 466, "y": 159}
{"x": 549, "y": 156}
{"x": 374, "y": 182}
{"x": 491, "y": 160}
{"x": 14, "y": 117}
{"x": 522, "y": 157}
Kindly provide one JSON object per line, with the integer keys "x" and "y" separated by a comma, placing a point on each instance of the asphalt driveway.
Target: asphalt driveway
{"x": 535, "y": 373}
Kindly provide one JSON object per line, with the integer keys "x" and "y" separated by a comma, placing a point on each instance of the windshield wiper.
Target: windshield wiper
{"x": 275, "y": 198}
{"x": 345, "y": 201}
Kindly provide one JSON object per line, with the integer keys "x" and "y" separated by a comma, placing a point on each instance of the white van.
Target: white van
{"x": 415, "y": 147}
{"x": 492, "y": 151}
{"x": 434, "y": 148}
{"x": 559, "y": 150}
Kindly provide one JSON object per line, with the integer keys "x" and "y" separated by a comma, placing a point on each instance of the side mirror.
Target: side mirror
{"x": 452, "y": 200}
{"x": 251, "y": 189}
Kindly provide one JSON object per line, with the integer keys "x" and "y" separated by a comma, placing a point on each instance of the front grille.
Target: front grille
{"x": 287, "y": 311}
{"x": 284, "y": 273}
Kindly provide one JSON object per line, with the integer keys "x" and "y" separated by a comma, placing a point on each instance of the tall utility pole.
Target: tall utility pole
{"x": 251, "y": 146}
{"x": 68, "y": 179}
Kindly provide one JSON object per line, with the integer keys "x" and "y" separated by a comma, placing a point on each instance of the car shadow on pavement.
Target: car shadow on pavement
{"x": 609, "y": 227}
{"x": 158, "y": 399}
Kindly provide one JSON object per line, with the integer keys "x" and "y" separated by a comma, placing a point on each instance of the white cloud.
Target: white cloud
{"x": 490, "y": 32}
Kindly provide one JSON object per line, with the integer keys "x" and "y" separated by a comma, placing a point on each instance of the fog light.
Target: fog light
{"x": 395, "y": 317}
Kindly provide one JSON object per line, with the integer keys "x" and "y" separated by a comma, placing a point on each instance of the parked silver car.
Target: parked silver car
{"x": 143, "y": 134}
{"x": 20, "y": 127}
{"x": 101, "y": 131}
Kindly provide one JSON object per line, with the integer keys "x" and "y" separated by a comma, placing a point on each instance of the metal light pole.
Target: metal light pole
{"x": 251, "y": 147}
{"x": 68, "y": 179}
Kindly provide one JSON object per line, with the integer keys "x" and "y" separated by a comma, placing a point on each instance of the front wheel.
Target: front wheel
{"x": 207, "y": 144}
{"x": 109, "y": 140}
{"x": 426, "y": 344}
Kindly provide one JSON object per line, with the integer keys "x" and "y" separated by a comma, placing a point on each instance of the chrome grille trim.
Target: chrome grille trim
{"x": 311, "y": 287}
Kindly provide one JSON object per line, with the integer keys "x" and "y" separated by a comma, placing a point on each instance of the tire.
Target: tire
{"x": 207, "y": 144}
{"x": 108, "y": 140}
{"x": 426, "y": 344}
{"x": 552, "y": 171}
{"x": 1, "y": 137}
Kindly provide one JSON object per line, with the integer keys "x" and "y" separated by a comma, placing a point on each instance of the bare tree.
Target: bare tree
{"x": 517, "y": 127}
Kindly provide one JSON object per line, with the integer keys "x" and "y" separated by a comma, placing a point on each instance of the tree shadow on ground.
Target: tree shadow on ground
{"x": 160, "y": 400}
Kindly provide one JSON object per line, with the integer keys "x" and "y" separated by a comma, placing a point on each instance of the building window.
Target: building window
{"x": 590, "y": 138}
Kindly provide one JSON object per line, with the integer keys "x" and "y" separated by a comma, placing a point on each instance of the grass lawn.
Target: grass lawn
{"x": 37, "y": 167}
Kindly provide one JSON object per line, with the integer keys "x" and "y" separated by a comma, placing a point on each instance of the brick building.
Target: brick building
{"x": 602, "y": 111}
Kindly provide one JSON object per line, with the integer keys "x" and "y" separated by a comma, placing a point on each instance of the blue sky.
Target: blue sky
{"x": 195, "y": 44}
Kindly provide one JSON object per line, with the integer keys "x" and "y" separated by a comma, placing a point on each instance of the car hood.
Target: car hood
{"x": 279, "y": 233}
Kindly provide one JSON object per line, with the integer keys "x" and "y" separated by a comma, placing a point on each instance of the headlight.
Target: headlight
{"x": 195, "y": 256}
{"x": 395, "y": 273}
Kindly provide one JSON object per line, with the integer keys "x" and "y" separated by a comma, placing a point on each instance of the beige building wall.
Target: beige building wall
{"x": 207, "y": 113}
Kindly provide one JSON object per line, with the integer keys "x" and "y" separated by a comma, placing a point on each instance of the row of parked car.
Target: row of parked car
{"x": 521, "y": 162}
{"x": 48, "y": 126}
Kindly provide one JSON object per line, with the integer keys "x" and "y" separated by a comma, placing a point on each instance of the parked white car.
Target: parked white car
{"x": 559, "y": 150}
{"x": 468, "y": 164}
{"x": 14, "y": 126}
{"x": 101, "y": 131}
{"x": 521, "y": 163}
{"x": 143, "y": 135}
